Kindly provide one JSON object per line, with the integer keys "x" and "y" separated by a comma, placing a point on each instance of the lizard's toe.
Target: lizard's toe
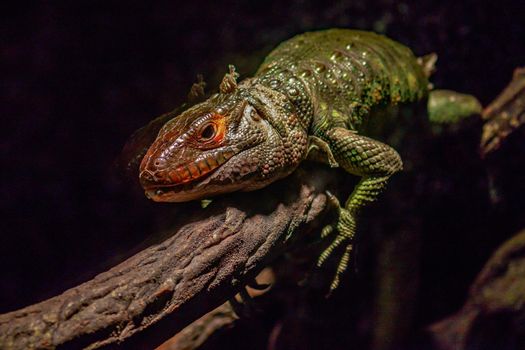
{"x": 344, "y": 227}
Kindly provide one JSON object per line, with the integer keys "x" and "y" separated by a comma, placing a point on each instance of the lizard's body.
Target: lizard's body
{"x": 335, "y": 77}
{"x": 312, "y": 94}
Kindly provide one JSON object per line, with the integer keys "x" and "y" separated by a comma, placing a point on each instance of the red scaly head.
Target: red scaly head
{"x": 227, "y": 143}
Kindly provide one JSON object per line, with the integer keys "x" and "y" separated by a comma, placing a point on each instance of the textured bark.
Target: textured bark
{"x": 492, "y": 317}
{"x": 198, "y": 332}
{"x": 202, "y": 264}
{"x": 505, "y": 114}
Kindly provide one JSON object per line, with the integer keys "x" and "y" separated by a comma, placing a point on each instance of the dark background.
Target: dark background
{"x": 78, "y": 77}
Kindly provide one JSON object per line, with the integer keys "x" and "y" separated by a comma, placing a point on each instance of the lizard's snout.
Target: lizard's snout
{"x": 148, "y": 179}
{"x": 153, "y": 170}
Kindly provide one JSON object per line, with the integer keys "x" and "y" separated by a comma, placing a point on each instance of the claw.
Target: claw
{"x": 327, "y": 230}
{"x": 328, "y": 251}
{"x": 333, "y": 200}
{"x": 341, "y": 267}
{"x": 345, "y": 228}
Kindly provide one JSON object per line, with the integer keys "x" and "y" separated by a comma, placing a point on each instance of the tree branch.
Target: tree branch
{"x": 204, "y": 262}
{"x": 492, "y": 317}
{"x": 505, "y": 114}
{"x": 197, "y": 333}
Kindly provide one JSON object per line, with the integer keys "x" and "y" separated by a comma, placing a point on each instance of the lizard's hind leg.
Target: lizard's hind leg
{"x": 375, "y": 162}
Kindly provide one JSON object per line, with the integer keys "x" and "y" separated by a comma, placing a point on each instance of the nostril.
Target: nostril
{"x": 160, "y": 163}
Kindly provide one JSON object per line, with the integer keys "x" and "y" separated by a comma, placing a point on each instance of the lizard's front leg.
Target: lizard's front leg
{"x": 375, "y": 162}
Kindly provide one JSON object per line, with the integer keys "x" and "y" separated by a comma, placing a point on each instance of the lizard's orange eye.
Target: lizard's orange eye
{"x": 208, "y": 132}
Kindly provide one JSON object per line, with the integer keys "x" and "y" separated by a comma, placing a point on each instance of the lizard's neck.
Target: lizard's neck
{"x": 294, "y": 89}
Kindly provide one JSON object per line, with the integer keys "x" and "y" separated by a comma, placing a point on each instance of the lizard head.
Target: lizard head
{"x": 224, "y": 144}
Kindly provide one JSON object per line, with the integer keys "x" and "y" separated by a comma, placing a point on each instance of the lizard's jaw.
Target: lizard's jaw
{"x": 182, "y": 192}
{"x": 185, "y": 182}
{"x": 175, "y": 193}
{"x": 151, "y": 175}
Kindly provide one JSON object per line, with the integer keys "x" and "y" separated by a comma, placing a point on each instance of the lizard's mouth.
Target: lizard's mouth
{"x": 177, "y": 192}
{"x": 184, "y": 182}
{"x": 165, "y": 193}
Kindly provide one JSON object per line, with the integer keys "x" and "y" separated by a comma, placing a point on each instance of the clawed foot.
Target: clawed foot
{"x": 344, "y": 228}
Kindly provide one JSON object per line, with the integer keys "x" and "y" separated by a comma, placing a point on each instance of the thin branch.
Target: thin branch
{"x": 505, "y": 114}
{"x": 197, "y": 333}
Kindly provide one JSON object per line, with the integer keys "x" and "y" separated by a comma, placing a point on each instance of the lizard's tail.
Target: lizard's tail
{"x": 446, "y": 106}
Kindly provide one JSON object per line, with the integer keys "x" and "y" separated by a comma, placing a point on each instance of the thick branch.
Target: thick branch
{"x": 203, "y": 263}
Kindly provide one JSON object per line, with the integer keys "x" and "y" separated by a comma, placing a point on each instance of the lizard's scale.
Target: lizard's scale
{"x": 310, "y": 97}
{"x": 342, "y": 74}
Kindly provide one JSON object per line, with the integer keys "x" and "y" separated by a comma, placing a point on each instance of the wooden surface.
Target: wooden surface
{"x": 202, "y": 264}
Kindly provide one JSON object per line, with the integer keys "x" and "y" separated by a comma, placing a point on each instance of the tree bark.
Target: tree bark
{"x": 492, "y": 317}
{"x": 155, "y": 293}
{"x": 505, "y": 114}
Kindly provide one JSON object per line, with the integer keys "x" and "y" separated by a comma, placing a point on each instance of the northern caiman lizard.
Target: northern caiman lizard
{"x": 312, "y": 95}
